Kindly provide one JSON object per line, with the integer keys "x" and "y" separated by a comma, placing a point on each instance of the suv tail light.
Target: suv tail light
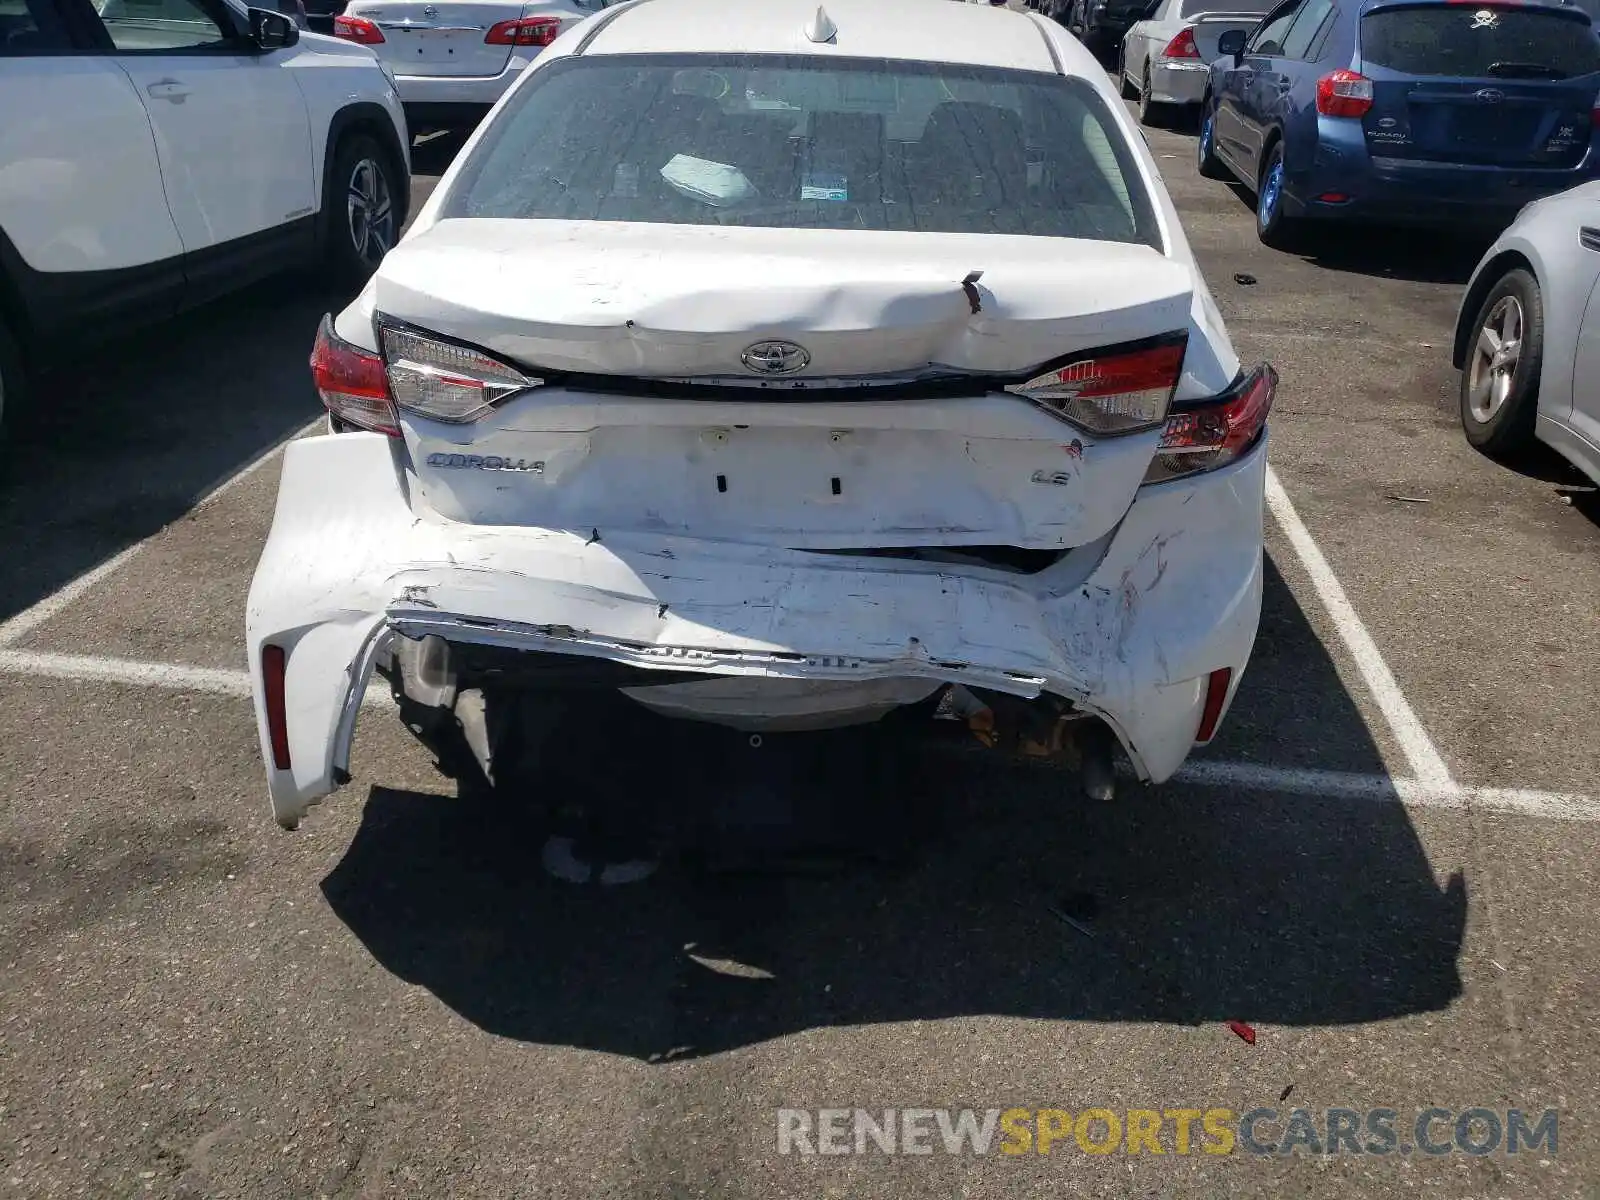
{"x": 1344, "y": 94}
{"x": 445, "y": 381}
{"x": 1117, "y": 390}
{"x": 1594, "y": 113}
{"x": 1205, "y": 435}
{"x": 351, "y": 382}
{"x": 525, "y": 31}
{"x": 358, "y": 30}
{"x": 1182, "y": 46}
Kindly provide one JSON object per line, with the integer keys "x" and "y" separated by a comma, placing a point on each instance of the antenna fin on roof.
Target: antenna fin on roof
{"x": 821, "y": 27}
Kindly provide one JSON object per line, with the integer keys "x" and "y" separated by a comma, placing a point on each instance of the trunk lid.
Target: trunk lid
{"x": 652, "y": 421}
{"x": 1209, "y": 28}
{"x": 1488, "y": 86}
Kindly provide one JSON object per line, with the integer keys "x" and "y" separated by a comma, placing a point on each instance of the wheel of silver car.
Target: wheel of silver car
{"x": 1495, "y": 359}
{"x": 1500, "y": 379}
{"x": 1149, "y": 111}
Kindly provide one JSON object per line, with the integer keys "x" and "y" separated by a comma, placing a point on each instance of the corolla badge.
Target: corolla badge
{"x": 485, "y": 462}
{"x": 775, "y": 358}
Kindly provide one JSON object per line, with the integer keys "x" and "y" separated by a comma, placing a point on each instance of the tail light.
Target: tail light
{"x": 274, "y": 671}
{"x": 445, "y": 381}
{"x": 1119, "y": 390}
{"x": 1216, "y": 696}
{"x": 1213, "y": 433}
{"x": 1344, "y": 94}
{"x": 357, "y": 29}
{"x": 351, "y": 383}
{"x": 526, "y": 31}
{"x": 1594, "y": 113}
{"x": 1182, "y": 46}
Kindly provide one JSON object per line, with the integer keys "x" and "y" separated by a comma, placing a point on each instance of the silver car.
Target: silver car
{"x": 1527, "y": 337}
{"x": 1166, "y": 55}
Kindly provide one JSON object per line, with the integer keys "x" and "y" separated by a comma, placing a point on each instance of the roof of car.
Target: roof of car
{"x": 925, "y": 30}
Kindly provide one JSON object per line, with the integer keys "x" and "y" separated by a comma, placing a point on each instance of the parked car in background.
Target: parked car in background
{"x": 779, "y": 367}
{"x": 1098, "y": 24}
{"x": 1527, "y": 337}
{"x": 1165, "y": 57}
{"x": 452, "y": 59}
{"x": 156, "y": 153}
{"x": 1429, "y": 112}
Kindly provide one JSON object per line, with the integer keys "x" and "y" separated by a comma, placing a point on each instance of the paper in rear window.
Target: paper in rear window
{"x": 1460, "y": 41}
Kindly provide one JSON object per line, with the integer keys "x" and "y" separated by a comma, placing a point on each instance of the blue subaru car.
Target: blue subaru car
{"x": 1427, "y": 112}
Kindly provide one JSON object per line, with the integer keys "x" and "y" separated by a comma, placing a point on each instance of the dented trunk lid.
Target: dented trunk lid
{"x": 895, "y": 432}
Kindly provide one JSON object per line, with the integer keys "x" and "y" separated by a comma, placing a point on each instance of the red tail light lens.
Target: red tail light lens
{"x": 1594, "y": 113}
{"x": 1212, "y": 434}
{"x": 1119, "y": 390}
{"x": 1182, "y": 46}
{"x": 1344, "y": 94}
{"x": 1216, "y": 696}
{"x": 357, "y": 29}
{"x": 274, "y": 670}
{"x": 352, "y": 383}
{"x": 527, "y": 31}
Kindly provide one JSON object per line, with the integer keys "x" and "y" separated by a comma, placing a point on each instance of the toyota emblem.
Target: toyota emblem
{"x": 1489, "y": 95}
{"x": 430, "y": 12}
{"x": 775, "y": 358}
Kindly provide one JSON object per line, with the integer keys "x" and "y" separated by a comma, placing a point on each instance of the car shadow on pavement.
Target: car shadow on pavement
{"x": 123, "y": 440}
{"x": 878, "y": 883}
{"x": 1384, "y": 252}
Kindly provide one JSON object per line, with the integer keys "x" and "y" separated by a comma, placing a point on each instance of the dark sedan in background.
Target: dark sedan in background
{"x": 1407, "y": 111}
{"x": 1098, "y": 24}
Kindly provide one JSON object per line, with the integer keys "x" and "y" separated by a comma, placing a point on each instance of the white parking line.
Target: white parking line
{"x": 1427, "y": 764}
{"x": 25, "y": 622}
{"x": 1430, "y": 784}
{"x": 93, "y": 668}
{"x": 1201, "y": 772}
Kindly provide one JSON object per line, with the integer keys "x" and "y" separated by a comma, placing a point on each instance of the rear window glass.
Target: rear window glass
{"x": 1256, "y": 8}
{"x": 1459, "y": 40}
{"x": 803, "y": 142}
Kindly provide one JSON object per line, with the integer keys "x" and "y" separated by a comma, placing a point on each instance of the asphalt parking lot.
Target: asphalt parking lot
{"x": 1387, "y": 864}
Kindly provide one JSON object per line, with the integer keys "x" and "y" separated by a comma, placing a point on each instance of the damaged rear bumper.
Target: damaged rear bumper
{"x": 1128, "y": 628}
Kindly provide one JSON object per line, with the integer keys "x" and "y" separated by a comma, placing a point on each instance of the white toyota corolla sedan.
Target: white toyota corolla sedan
{"x": 777, "y": 368}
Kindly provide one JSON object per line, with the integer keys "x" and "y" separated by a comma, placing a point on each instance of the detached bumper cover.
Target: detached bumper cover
{"x": 1128, "y": 627}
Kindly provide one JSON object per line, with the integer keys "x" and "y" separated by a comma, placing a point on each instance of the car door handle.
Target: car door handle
{"x": 168, "y": 89}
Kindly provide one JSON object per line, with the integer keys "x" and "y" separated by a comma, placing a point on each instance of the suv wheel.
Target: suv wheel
{"x": 1500, "y": 382}
{"x": 361, "y": 209}
{"x": 12, "y": 383}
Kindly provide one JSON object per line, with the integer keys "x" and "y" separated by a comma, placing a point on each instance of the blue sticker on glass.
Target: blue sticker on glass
{"x": 824, "y": 187}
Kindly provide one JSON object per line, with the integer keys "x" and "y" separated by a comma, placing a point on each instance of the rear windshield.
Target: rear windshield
{"x": 1194, "y": 8}
{"x": 1483, "y": 43}
{"x": 803, "y": 142}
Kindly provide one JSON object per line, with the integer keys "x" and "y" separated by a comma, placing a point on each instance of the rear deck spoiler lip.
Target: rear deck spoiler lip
{"x": 1565, "y": 12}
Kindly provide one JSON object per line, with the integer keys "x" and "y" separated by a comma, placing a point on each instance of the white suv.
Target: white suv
{"x": 156, "y": 153}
